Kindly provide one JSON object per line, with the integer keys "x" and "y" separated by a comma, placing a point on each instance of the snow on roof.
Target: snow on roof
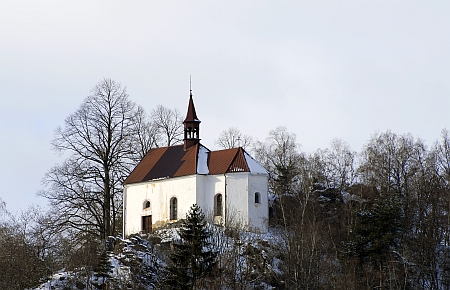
{"x": 253, "y": 165}
{"x": 202, "y": 160}
{"x": 168, "y": 162}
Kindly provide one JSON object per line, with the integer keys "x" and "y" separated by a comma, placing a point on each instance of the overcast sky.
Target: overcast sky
{"x": 323, "y": 69}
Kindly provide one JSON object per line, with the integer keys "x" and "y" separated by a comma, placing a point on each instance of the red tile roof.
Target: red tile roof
{"x": 174, "y": 161}
{"x": 228, "y": 160}
{"x": 165, "y": 162}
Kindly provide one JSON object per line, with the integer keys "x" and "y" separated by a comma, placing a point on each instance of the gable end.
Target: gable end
{"x": 239, "y": 164}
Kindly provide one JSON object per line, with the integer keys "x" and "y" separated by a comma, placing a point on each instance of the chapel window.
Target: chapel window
{"x": 173, "y": 208}
{"x": 218, "y": 205}
{"x": 146, "y": 204}
{"x": 257, "y": 197}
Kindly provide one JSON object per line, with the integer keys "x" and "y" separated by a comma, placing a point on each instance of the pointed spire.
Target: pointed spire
{"x": 191, "y": 115}
{"x": 191, "y": 124}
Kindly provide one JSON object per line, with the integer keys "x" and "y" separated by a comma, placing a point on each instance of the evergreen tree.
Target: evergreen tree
{"x": 103, "y": 266}
{"x": 378, "y": 229}
{"x": 377, "y": 232}
{"x": 191, "y": 258}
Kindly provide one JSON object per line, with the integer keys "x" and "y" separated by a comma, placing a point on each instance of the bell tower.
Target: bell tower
{"x": 191, "y": 125}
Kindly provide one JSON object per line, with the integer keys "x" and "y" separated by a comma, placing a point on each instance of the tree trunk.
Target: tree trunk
{"x": 381, "y": 276}
{"x": 107, "y": 206}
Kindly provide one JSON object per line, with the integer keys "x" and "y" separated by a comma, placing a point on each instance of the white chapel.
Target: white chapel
{"x": 229, "y": 185}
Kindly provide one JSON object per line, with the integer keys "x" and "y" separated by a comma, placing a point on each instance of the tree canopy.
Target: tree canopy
{"x": 101, "y": 143}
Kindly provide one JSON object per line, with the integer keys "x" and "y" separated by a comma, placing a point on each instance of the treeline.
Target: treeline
{"x": 378, "y": 219}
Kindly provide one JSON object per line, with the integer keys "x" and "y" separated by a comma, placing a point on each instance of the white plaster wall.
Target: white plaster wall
{"x": 236, "y": 200}
{"x": 258, "y": 214}
{"x": 211, "y": 185}
{"x": 159, "y": 194}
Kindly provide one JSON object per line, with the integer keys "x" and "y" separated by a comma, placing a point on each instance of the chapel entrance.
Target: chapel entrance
{"x": 147, "y": 224}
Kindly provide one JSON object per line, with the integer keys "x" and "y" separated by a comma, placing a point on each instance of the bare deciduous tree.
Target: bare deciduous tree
{"x": 85, "y": 191}
{"x": 27, "y": 248}
{"x": 169, "y": 125}
{"x": 280, "y": 156}
{"x": 232, "y": 138}
{"x": 339, "y": 165}
{"x": 146, "y": 136}
{"x": 389, "y": 160}
{"x": 442, "y": 156}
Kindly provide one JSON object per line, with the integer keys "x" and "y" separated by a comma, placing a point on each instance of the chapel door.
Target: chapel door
{"x": 147, "y": 224}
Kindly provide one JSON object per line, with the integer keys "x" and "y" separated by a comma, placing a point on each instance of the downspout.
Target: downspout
{"x": 124, "y": 210}
{"x": 225, "y": 201}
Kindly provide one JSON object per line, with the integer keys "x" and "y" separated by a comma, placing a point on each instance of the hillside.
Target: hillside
{"x": 138, "y": 262}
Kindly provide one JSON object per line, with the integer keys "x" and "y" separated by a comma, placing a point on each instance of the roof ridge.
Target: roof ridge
{"x": 227, "y": 149}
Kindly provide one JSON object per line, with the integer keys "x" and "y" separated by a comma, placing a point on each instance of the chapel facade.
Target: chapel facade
{"x": 229, "y": 185}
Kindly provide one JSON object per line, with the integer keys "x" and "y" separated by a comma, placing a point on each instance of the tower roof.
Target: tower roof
{"x": 191, "y": 115}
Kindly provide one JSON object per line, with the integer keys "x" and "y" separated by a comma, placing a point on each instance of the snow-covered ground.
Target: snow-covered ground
{"x": 143, "y": 257}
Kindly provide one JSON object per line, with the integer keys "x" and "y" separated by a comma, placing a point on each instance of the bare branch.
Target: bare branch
{"x": 232, "y": 138}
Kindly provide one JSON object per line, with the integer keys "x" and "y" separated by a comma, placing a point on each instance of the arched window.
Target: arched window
{"x": 146, "y": 204}
{"x": 173, "y": 208}
{"x": 218, "y": 205}
{"x": 257, "y": 197}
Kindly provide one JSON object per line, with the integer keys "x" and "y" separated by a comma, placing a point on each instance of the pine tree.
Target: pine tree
{"x": 103, "y": 266}
{"x": 192, "y": 258}
{"x": 377, "y": 232}
{"x": 378, "y": 229}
